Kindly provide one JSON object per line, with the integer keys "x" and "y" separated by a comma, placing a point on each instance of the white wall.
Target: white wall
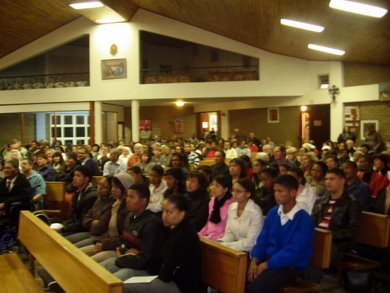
{"x": 280, "y": 76}
{"x": 284, "y": 81}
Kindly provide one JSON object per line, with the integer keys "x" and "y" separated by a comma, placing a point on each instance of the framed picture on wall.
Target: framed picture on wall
{"x": 114, "y": 68}
{"x": 273, "y": 115}
{"x": 365, "y": 125}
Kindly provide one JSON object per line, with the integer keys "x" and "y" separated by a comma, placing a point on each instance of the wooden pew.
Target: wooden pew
{"x": 223, "y": 268}
{"x": 207, "y": 162}
{"x": 96, "y": 179}
{"x": 374, "y": 232}
{"x": 69, "y": 266}
{"x": 55, "y": 193}
{"x": 322, "y": 249}
{"x": 14, "y": 276}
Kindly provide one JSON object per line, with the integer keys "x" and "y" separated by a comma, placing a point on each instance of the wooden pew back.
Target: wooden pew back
{"x": 375, "y": 230}
{"x": 223, "y": 268}
{"x": 207, "y": 162}
{"x": 55, "y": 192}
{"x": 96, "y": 179}
{"x": 322, "y": 244}
{"x": 69, "y": 266}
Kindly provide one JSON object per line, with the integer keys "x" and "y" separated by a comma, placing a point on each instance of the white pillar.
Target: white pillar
{"x": 225, "y": 124}
{"x": 40, "y": 126}
{"x": 336, "y": 118}
{"x": 135, "y": 120}
{"x": 98, "y": 123}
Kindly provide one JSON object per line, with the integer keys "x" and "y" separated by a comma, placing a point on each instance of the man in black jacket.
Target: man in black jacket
{"x": 84, "y": 157}
{"x": 142, "y": 239}
{"x": 83, "y": 199}
{"x": 14, "y": 188}
{"x": 338, "y": 212}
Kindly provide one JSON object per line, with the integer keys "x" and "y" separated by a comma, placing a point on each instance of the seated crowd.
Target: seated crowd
{"x": 154, "y": 200}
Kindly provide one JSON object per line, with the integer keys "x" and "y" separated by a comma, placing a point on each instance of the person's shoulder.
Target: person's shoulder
{"x": 273, "y": 212}
{"x": 303, "y": 217}
{"x": 252, "y": 206}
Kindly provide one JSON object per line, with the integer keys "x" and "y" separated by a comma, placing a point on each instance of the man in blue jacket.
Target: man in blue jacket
{"x": 284, "y": 246}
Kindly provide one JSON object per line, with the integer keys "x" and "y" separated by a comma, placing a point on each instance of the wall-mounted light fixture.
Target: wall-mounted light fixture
{"x": 303, "y": 108}
{"x": 179, "y": 103}
{"x": 334, "y": 91}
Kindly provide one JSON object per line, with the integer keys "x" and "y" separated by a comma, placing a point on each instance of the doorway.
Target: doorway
{"x": 315, "y": 124}
{"x": 208, "y": 127}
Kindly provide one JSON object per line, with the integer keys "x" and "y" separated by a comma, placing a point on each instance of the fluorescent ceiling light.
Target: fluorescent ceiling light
{"x": 110, "y": 20}
{"x": 326, "y": 49}
{"x": 86, "y": 5}
{"x": 359, "y": 8}
{"x": 302, "y": 25}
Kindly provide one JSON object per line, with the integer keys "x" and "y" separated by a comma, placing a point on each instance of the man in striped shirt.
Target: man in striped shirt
{"x": 338, "y": 212}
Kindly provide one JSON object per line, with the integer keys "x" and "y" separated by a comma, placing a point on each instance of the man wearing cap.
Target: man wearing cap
{"x": 291, "y": 155}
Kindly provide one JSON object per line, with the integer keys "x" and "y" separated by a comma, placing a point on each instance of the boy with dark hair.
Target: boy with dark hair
{"x": 284, "y": 246}
{"x": 142, "y": 239}
{"x": 83, "y": 199}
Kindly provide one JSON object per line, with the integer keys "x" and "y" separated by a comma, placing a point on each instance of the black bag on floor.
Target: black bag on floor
{"x": 357, "y": 281}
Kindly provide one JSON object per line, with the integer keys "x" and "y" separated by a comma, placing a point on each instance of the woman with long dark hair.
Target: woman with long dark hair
{"x": 218, "y": 207}
{"x": 180, "y": 269}
{"x": 245, "y": 219}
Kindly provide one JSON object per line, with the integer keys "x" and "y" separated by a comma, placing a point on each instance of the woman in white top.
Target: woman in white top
{"x": 157, "y": 188}
{"x": 306, "y": 195}
{"x": 245, "y": 219}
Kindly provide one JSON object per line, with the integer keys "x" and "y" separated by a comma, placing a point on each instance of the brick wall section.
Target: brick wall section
{"x": 10, "y": 126}
{"x": 256, "y": 120}
{"x": 376, "y": 111}
{"x": 362, "y": 74}
{"x": 30, "y": 127}
{"x": 162, "y": 119}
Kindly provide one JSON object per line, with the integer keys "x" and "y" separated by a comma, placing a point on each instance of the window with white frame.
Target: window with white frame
{"x": 70, "y": 128}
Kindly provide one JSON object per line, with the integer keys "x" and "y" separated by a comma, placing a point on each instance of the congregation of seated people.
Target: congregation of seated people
{"x": 155, "y": 198}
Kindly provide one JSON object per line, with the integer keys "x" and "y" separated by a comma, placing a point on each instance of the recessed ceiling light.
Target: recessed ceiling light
{"x": 302, "y": 25}
{"x": 359, "y": 8}
{"x": 86, "y": 5}
{"x": 326, "y": 49}
{"x": 179, "y": 103}
{"x": 324, "y": 86}
{"x": 110, "y": 20}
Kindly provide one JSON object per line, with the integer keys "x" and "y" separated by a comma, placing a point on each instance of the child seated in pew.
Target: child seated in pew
{"x": 97, "y": 218}
{"x": 245, "y": 219}
{"x": 142, "y": 238}
{"x": 105, "y": 245}
{"x": 196, "y": 191}
{"x": 218, "y": 207}
{"x": 284, "y": 246}
{"x": 82, "y": 201}
{"x": 180, "y": 269}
